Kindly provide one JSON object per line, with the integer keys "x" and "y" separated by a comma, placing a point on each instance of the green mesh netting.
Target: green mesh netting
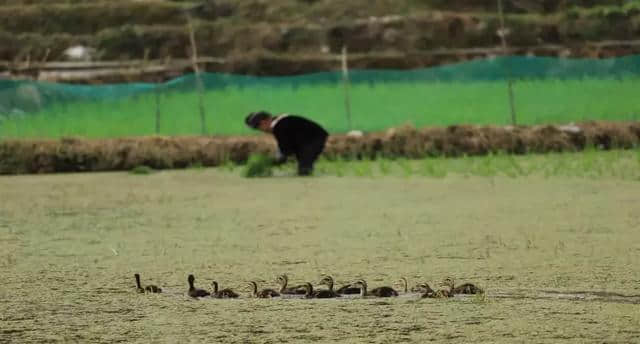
{"x": 547, "y": 90}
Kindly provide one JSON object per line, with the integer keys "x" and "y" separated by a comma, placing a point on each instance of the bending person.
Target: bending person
{"x": 295, "y": 135}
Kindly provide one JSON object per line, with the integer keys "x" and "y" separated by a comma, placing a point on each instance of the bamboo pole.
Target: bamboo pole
{"x": 157, "y": 87}
{"x": 503, "y": 38}
{"x": 199, "y": 84}
{"x": 345, "y": 81}
{"x": 46, "y": 55}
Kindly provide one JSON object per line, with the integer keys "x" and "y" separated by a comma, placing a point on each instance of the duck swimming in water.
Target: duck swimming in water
{"x": 445, "y": 291}
{"x": 309, "y": 293}
{"x": 317, "y": 294}
{"x": 418, "y": 288}
{"x": 379, "y": 292}
{"x": 264, "y": 293}
{"x": 148, "y": 289}
{"x": 344, "y": 290}
{"x": 283, "y": 280}
{"x": 326, "y": 293}
{"x": 195, "y": 292}
{"x": 466, "y": 288}
{"x": 224, "y": 293}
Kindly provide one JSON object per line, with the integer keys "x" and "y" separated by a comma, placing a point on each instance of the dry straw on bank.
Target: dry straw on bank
{"x": 75, "y": 154}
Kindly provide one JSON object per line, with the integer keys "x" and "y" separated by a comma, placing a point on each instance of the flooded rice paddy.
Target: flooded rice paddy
{"x": 558, "y": 257}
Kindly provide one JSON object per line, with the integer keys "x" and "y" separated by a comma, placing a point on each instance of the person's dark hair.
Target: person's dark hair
{"x": 253, "y": 119}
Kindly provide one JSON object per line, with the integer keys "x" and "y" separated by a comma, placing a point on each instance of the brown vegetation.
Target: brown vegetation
{"x": 74, "y": 155}
{"x": 260, "y": 37}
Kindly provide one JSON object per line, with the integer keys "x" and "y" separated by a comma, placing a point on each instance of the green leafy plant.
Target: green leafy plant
{"x": 258, "y": 165}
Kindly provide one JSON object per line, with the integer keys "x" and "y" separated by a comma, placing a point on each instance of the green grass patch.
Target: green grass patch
{"x": 591, "y": 163}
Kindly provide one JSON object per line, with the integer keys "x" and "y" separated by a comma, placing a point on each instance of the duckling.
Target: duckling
{"x": 224, "y": 293}
{"x": 283, "y": 280}
{"x": 138, "y": 286}
{"x": 445, "y": 291}
{"x": 344, "y": 290}
{"x": 422, "y": 288}
{"x": 404, "y": 283}
{"x": 193, "y": 291}
{"x": 153, "y": 289}
{"x": 383, "y": 292}
{"x": 379, "y": 292}
{"x": 308, "y": 291}
{"x": 328, "y": 293}
{"x": 148, "y": 289}
{"x": 466, "y": 288}
{"x": 418, "y": 288}
{"x": 362, "y": 285}
{"x": 264, "y": 293}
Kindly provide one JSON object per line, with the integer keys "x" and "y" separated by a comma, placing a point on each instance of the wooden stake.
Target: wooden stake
{"x": 345, "y": 81}
{"x": 158, "y": 85}
{"x": 503, "y": 38}
{"x": 199, "y": 84}
{"x": 46, "y": 55}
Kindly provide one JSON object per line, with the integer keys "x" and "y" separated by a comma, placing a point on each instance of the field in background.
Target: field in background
{"x": 375, "y": 106}
{"x": 555, "y": 251}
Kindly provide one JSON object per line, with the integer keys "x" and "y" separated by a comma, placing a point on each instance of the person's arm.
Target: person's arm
{"x": 283, "y": 148}
{"x": 280, "y": 158}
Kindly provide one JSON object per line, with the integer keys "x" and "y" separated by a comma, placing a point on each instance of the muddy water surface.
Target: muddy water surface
{"x": 558, "y": 257}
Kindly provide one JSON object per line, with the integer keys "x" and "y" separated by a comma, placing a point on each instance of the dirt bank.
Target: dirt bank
{"x": 74, "y": 154}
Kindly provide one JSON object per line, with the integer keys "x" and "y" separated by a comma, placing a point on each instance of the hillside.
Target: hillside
{"x": 297, "y": 36}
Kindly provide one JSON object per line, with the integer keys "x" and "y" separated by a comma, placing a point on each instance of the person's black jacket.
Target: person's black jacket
{"x": 298, "y": 136}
